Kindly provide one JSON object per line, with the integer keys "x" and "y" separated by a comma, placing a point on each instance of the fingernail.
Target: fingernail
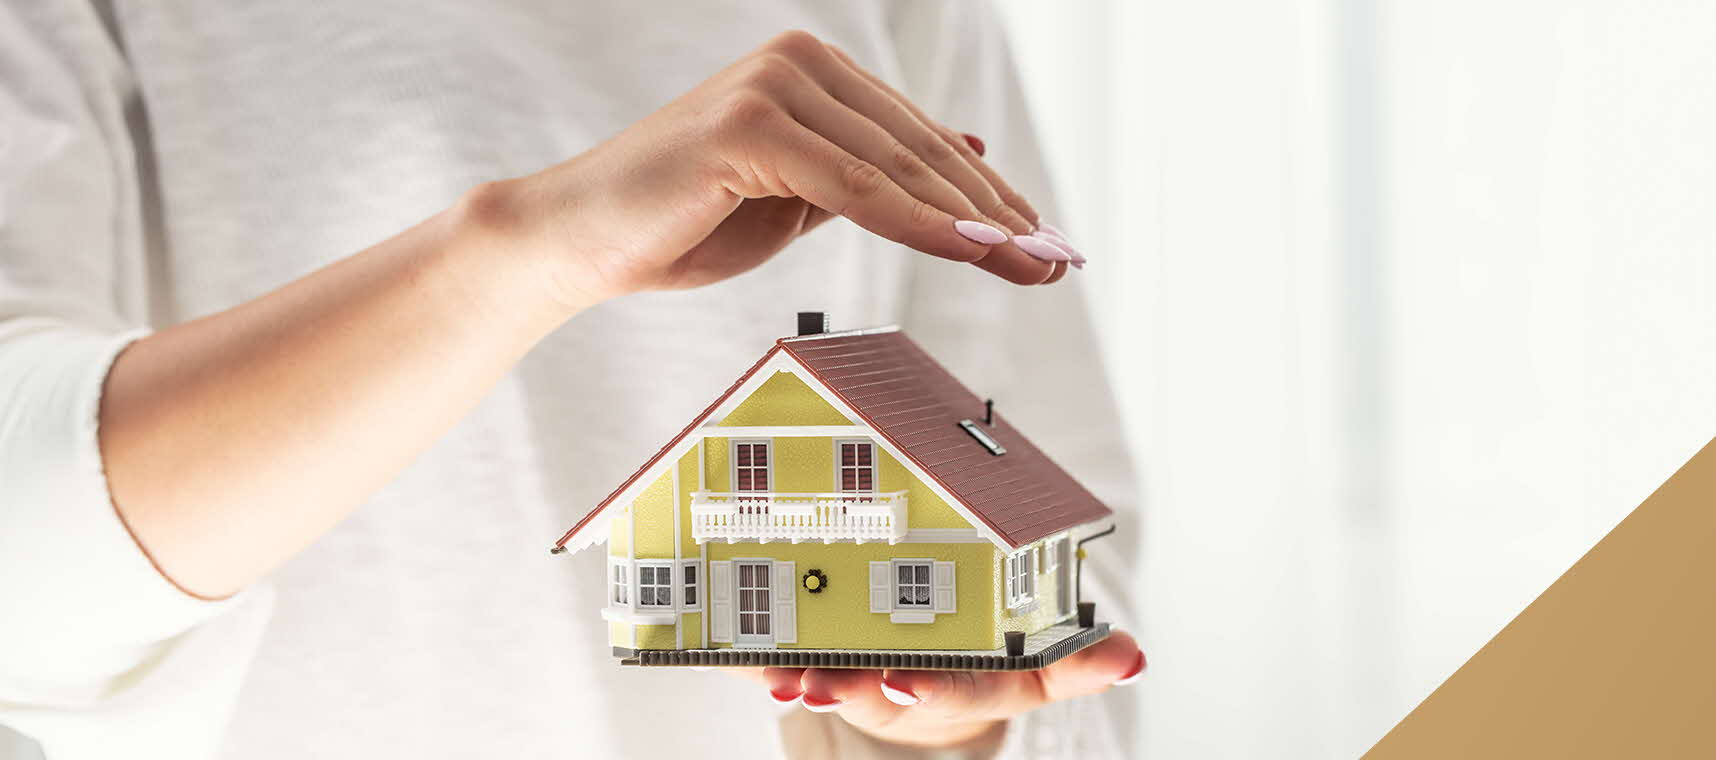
{"x": 899, "y": 696}
{"x": 820, "y": 706}
{"x": 978, "y": 232}
{"x": 785, "y": 696}
{"x": 1052, "y": 234}
{"x": 1073, "y": 254}
{"x": 976, "y": 143}
{"x": 1039, "y": 248}
{"x": 1133, "y": 675}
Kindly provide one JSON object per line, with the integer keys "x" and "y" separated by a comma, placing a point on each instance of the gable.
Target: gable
{"x": 784, "y": 400}
{"x": 879, "y": 382}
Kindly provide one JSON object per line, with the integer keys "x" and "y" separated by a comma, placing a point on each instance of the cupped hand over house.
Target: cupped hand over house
{"x": 720, "y": 179}
{"x": 941, "y": 708}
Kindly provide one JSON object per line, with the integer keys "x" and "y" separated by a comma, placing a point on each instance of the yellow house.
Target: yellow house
{"x": 846, "y": 503}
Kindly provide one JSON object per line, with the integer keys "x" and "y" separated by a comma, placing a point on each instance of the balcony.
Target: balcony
{"x": 795, "y": 517}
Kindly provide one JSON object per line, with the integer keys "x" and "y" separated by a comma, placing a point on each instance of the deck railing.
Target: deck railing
{"x": 827, "y": 517}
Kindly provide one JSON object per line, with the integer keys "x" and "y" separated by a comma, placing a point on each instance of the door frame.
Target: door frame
{"x": 742, "y": 640}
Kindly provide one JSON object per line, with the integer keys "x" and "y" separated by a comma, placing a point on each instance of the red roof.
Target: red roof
{"x": 916, "y": 405}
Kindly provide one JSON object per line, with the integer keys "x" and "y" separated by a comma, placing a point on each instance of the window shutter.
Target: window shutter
{"x": 720, "y": 590}
{"x": 881, "y": 589}
{"x": 944, "y": 597}
{"x": 786, "y": 603}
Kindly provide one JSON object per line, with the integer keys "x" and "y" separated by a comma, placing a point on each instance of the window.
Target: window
{"x": 620, "y": 584}
{"x": 689, "y": 577}
{"x": 912, "y": 584}
{"x": 655, "y": 584}
{"x": 750, "y": 465}
{"x": 1052, "y": 550}
{"x": 913, "y": 589}
{"x": 856, "y": 461}
{"x": 1021, "y": 579}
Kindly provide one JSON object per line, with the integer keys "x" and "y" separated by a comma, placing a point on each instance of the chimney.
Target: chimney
{"x": 989, "y": 411}
{"x": 812, "y": 322}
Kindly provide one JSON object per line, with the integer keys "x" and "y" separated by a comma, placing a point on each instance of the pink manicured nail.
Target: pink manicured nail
{"x": 785, "y": 697}
{"x": 1048, "y": 232}
{"x": 978, "y": 232}
{"x": 1132, "y": 676}
{"x": 1039, "y": 248}
{"x": 1073, "y": 254}
{"x": 899, "y": 696}
{"x": 819, "y": 706}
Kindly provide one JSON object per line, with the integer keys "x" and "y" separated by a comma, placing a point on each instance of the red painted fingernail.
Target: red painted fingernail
{"x": 1134, "y": 674}
{"x": 818, "y": 705}
{"x": 975, "y": 142}
{"x": 785, "y": 696}
{"x": 899, "y": 696}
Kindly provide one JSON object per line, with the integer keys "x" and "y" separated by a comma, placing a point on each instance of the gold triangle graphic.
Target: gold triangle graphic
{"x": 1617, "y": 659}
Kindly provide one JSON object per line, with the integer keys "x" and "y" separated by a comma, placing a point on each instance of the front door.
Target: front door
{"x": 754, "y": 610}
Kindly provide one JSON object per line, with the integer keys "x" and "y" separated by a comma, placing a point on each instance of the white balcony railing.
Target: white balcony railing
{"x": 795, "y": 517}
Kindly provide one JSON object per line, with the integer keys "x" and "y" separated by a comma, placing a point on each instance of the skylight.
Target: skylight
{"x": 983, "y": 437}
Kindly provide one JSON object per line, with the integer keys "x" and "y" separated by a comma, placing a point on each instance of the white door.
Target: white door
{"x": 755, "y": 589}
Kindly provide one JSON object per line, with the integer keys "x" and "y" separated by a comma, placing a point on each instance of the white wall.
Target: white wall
{"x": 1410, "y": 304}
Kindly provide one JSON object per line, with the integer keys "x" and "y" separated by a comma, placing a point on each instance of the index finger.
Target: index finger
{"x": 811, "y": 167}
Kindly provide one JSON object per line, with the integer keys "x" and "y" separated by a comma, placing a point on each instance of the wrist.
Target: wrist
{"x": 497, "y": 226}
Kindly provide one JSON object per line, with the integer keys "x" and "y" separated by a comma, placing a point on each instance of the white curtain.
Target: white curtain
{"x": 1409, "y": 303}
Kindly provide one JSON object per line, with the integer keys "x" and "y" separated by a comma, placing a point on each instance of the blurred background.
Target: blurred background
{"x": 1408, "y": 303}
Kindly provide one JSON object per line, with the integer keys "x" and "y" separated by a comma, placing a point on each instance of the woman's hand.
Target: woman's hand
{"x": 720, "y": 179}
{"x": 942, "y": 708}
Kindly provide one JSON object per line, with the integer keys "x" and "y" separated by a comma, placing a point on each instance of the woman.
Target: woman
{"x": 237, "y": 180}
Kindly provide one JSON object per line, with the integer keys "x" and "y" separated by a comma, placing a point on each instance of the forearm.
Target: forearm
{"x": 232, "y": 441}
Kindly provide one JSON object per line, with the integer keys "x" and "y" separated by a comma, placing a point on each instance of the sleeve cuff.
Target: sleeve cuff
{"x": 84, "y": 603}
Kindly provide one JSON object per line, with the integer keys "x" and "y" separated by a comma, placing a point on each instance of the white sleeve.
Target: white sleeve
{"x": 97, "y": 650}
{"x": 1033, "y": 349}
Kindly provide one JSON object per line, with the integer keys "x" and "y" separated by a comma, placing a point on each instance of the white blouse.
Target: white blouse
{"x": 162, "y": 161}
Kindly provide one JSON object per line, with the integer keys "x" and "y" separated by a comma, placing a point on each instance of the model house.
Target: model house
{"x": 846, "y": 502}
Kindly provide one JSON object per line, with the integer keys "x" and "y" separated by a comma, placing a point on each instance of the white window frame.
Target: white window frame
{"x": 690, "y": 594}
{"x": 839, "y": 469}
{"x": 1020, "y": 571}
{"x": 768, "y": 445}
{"x": 928, "y": 585}
{"x": 619, "y": 583}
{"x": 661, "y": 566}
